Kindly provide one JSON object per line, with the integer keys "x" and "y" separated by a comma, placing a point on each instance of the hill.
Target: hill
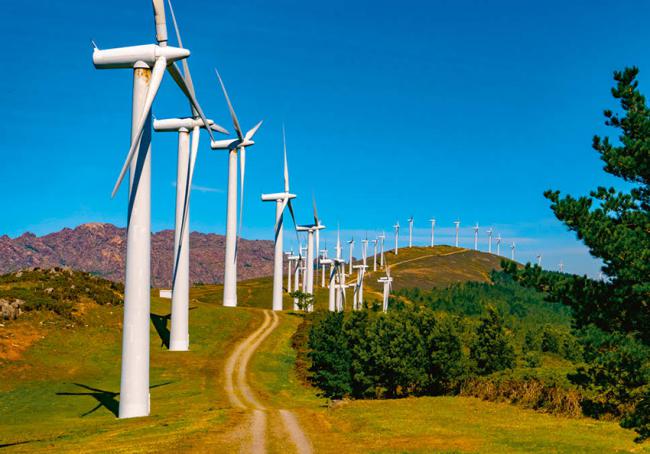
{"x": 61, "y": 394}
{"x": 100, "y": 249}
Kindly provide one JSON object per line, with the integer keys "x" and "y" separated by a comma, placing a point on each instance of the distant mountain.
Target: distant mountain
{"x": 100, "y": 249}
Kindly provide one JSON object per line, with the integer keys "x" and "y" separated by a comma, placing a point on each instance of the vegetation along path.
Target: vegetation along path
{"x": 243, "y": 397}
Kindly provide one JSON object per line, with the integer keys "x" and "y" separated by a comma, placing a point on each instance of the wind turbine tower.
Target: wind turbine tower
{"x": 433, "y": 231}
{"x": 499, "y": 245}
{"x": 235, "y": 147}
{"x": 512, "y": 251}
{"x": 396, "y": 227}
{"x": 476, "y": 237}
{"x": 149, "y": 64}
{"x": 410, "y": 221}
{"x": 489, "y": 232}
{"x": 457, "y": 230}
{"x": 282, "y": 200}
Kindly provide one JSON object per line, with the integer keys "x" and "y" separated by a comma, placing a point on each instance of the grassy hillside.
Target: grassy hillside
{"x": 59, "y": 391}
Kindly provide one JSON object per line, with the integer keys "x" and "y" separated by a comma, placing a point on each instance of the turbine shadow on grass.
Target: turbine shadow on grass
{"x": 160, "y": 323}
{"x": 106, "y": 399}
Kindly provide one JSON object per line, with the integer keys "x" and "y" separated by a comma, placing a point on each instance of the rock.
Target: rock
{"x": 19, "y": 274}
{"x": 10, "y": 309}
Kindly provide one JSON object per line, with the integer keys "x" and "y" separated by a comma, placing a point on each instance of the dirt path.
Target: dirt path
{"x": 427, "y": 256}
{"x": 242, "y": 396}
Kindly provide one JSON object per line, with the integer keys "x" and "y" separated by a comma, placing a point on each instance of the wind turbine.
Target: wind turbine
{"x": 410, "y": 221}
{"x": 364, "y": 250}
{"x": 149, "y": 63}
{"x": 381, "y": 238}
{"x": 318, "y": 229}
{"x": 489, "y": 232}
{"x": 539, "y": 260}
{"x": 499, "y": 245}
{"x": 358, "y": 289}
{"x": 396, "y": 227}
{"x": 457, "y": 228}
{"x": 433, "y": 230}
{"x": 290, "y": 259}
{"x": 282, "y": 200}
{"x": 512, "y": 251}
{"x": 388, "y": 283}
{"x": 234, "y": 147}
{"x": 310, "y": 229}
{"x": 561, "y": 266}
{"x": 179, "y": 331}
{"x": 476, "y": 237}
{"x": 374, "y": 254}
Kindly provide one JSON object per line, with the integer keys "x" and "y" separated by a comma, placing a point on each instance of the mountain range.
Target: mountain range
{"x": 100, "y": 248}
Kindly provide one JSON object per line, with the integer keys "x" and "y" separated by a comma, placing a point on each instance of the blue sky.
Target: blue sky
{"x": 445, "y": 109}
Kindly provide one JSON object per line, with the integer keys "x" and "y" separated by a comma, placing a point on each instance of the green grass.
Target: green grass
{"x": 426, "y": 424}
{"x": 46, "y": 395}
{"x": 41, "y": 407}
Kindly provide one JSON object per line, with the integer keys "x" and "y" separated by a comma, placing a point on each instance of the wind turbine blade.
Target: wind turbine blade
{"x": 156, "y": 78}
{"x": 286, "y": 165}
{"x": 235, "y": 122}
{"x": 277, "y": 222}
{"x": 313, "y": 202}
{"x": 221, "y": 129}
{"x": 251, "y": 132}
{"x": 293, "y": 218}
{"x": 186, "y": 67}
{"x": 180, "y": 81}
{"x": 242, "y": 174}
{"x": 196, "y": 134}
{"x": 159, "y": 18}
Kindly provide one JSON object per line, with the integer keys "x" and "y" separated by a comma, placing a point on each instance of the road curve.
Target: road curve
{"x": 242, "y": 396}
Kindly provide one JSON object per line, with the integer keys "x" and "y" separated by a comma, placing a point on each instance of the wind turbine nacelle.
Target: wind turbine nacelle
{"x": 326, "y": 261}
{"x": 224, "y": 144}
{"x": 174, "y": 124}
{"x": 127, "y": 57}
{"x": 277, "y": 196}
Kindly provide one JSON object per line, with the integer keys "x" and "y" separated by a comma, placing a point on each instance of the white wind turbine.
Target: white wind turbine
{"x": 512, "y": 251}
{"x": 561, "y": 266}
{"x": 179, "y": 330}
{"x": 358, "y": 288}
{"x": 410, "y": 221}
{"x": 539, "y": 260}
{"x": 381, "y": 238}
{"x": 489, "y": 232}
{"x": 433, "y": 231}
{"x": 310, "y": 229}
{"x": 149, "y": 62}
{"x": 476, "y": 237}
{"x": 396, "y": 227}
{"x": 282, "y": 200}
{"x": 234, "y": 147}
{"x": 374, "y": 254}
{"x": 499, "y": 245}
{"x": 364, "y": 250}
{"x": 388, "y": 283}
{"x": 290, "y": 259}
{"x": 457, "y": 229}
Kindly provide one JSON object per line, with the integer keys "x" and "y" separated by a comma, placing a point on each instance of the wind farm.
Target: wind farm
{"x": 198, "y": 309}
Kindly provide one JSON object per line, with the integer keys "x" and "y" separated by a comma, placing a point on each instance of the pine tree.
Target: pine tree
{"x": 491, "y": 350}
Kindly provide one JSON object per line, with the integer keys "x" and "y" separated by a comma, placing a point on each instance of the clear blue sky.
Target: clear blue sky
{"x": 450, "y": 109}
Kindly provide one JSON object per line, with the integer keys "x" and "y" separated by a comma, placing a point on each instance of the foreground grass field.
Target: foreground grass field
{"x": 427, "y": 424}
{"x": 59, "y": 392}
